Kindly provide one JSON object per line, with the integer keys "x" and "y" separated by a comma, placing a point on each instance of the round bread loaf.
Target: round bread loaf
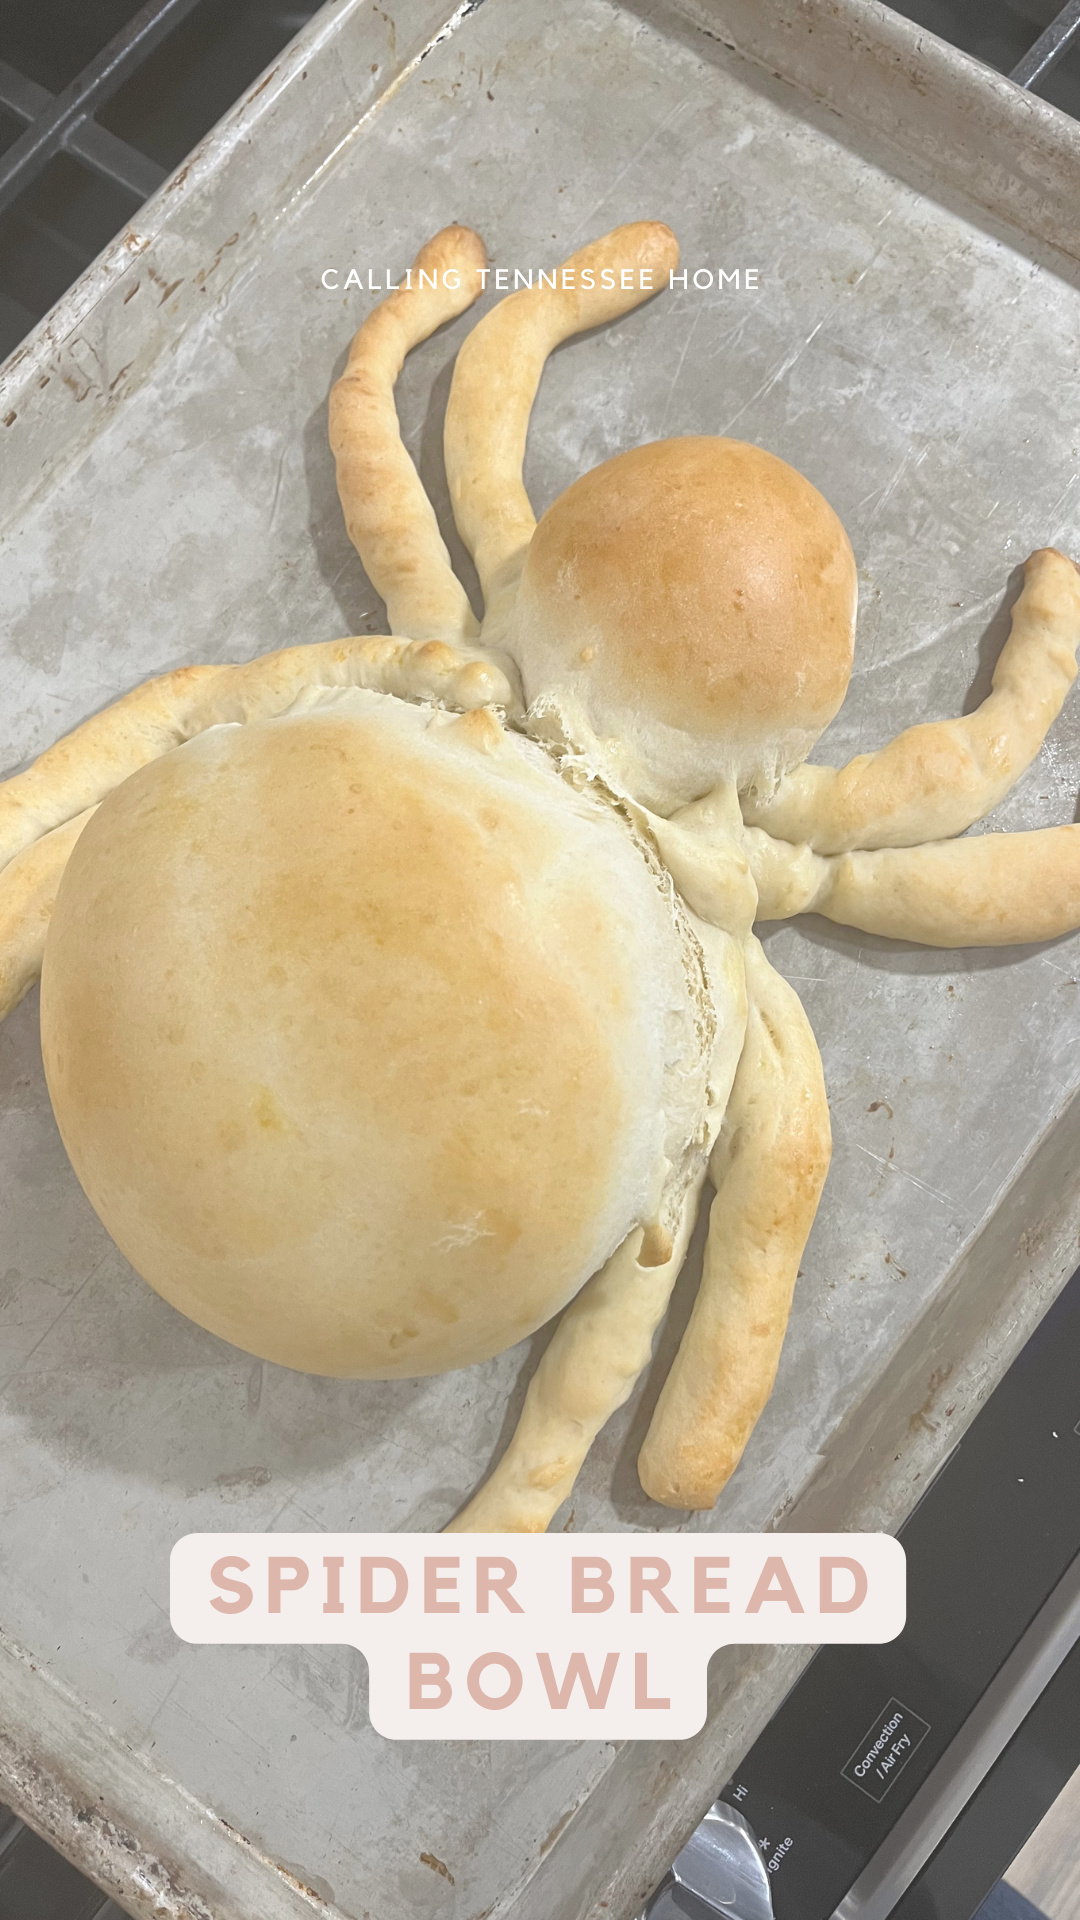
{"x": 687, "y": 612}
{"x": 368, "y": 1036}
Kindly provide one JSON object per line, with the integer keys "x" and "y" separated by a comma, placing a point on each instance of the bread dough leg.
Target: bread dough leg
{"x": 28, "y": 888}
{"x": 769, "y": 1167}
{"x": 935, "y": 780}
{"x": 495, "y": 381}
{"x": 604, "y": 1339}
{"x": 90, "y": 761}
{"x": 390, "y": 519}
{"x": 993, "y": 890}
{"x": 600, "y": 1346}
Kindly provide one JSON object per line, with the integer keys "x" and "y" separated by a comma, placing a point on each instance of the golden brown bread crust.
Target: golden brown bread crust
{"x": 357, "y": 1026}
{"x": 495, "y": 382}
{"x": 695, "y": 597}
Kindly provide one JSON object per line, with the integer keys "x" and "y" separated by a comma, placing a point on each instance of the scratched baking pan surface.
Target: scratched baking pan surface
{"x": 923, "y": 371}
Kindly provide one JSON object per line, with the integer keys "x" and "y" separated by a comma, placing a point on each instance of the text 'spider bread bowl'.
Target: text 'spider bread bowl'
{"x": 398, "y": 993}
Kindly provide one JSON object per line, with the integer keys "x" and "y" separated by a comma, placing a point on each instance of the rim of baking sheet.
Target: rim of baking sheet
{"x": 974, "y": 133}
{"x": 966, "y": 128}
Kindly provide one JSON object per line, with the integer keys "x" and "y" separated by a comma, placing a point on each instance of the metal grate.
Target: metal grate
{"x": 1006, "y": 34}
{"x": 36, "y": 1884}
{"x": 65, "y": 121}
{"x": 98, "y": 103}
{"x": 1050, "y": 48}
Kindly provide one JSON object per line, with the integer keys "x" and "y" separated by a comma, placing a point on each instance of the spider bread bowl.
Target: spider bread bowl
{"x": 401, "y": 992}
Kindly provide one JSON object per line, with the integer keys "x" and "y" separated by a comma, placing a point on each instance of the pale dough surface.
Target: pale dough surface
{"x": 987, "y": 890}
{"x": 768, "y": 1167}
{"x": 28, "y": 887}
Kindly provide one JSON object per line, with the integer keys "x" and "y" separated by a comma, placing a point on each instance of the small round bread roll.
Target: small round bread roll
{"x": 687, "y": 611}
{"x": 369, "y": 1037}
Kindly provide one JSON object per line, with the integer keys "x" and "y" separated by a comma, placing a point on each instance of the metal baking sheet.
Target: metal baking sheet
{"x": 912, "y": 346}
